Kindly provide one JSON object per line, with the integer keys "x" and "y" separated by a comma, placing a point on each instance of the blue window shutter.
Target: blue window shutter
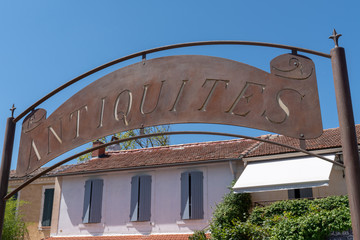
{"x": 145, "y": 198}
{"x": 96, "y": 201}
{"x": 134, "y": 198}
{"x": 87, "y": 200}
{"x": 185, "y": 212}
{"x": 47, "y": 208}
{"x": 306, "y": 193}
{"x": 15, "y": 197}
{"x": 291, "y": 193}
{"x": 301, "y": 193}
{"x": 197, "y": 205}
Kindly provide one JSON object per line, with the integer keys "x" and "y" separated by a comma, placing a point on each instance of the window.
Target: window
{"x": 140, "y": 205}
{"x": 300, "y": 193}
{"x": 93, "y": 201}
{"x": 15, "y": 196}
{"x": 192, "y": 195}
{"x": 48, "y": 199}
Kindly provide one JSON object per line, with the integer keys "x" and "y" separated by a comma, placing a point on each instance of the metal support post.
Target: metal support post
{"x": 348, "y": 133}
{"x": 5, "y": 167}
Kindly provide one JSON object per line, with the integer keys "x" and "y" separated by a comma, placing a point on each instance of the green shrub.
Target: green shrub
{"x": 198, "y": 235}
{"x": 14, "y": 228}
{"x": 291, "y": 220}
{"x": 233, "y": 209}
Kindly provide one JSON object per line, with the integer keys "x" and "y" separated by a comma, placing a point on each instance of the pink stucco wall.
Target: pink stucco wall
{"x": 165, "y": 202}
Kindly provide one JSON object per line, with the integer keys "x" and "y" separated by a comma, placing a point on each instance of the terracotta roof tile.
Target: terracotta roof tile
{"x": 130, "y": 237}
{"x": 329, "y": 139}
{"x": 167, "y": 155}
{"x": 203, "y": 152}
{"x": 52, "y": 173}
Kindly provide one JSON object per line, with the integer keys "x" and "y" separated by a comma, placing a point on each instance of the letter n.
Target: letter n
{"x": 54, "y": 137}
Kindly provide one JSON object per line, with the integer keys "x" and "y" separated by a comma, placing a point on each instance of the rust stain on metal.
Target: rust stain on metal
{"x": 178, "y": 89}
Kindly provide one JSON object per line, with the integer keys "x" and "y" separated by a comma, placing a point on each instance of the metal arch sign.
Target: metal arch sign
{"x": 178, "y": 89}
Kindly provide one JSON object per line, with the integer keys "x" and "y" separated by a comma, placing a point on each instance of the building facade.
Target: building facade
{"x": 35, "y": 202}
{"x": 170, "y": 192}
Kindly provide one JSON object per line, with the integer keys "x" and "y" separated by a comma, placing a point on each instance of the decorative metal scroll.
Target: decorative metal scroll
{"x": 178, "y": 89}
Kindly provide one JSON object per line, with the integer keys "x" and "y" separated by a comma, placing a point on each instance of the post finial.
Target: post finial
{"x": 335, "y": 37}
{"x": 12, "y": 110}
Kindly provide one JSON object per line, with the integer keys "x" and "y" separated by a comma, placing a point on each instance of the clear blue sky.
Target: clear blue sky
{"x": 44, "y": 44}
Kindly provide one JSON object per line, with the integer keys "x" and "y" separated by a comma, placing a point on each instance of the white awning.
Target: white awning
{"x": 304, "y": 172}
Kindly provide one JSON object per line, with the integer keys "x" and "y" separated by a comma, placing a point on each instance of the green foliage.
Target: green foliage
{"x": 233, "y": 207}
{"x": 232, "y": 210}
{"x": 292, "y": 220}
{"x": 198, "y": 235}
{"x": 14, "y": 228}
{"x": 84, "y": 157}
{"x": 144, "y": 142}
{"x": 161, "y": 140}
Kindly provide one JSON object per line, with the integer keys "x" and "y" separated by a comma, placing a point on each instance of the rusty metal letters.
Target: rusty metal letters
{"x": 178, "y": 89}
